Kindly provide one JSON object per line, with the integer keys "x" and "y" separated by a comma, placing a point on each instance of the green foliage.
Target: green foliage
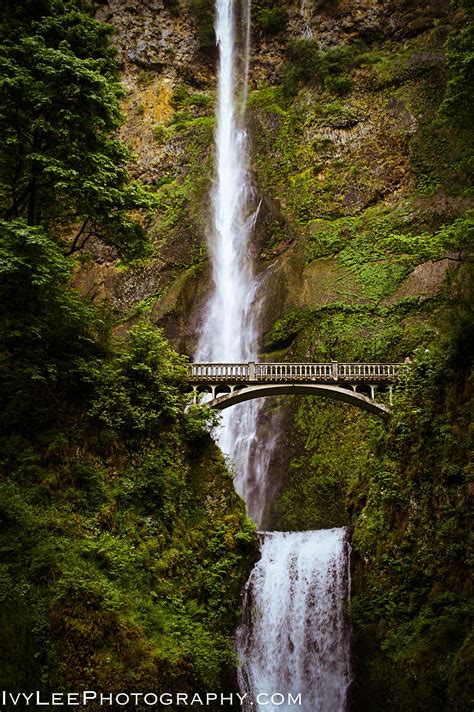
{"x": 138, "y": 587}
{"x": 412, "y": 608}
{"x": 61, "y": 164}
{"x": 380, "y": 247}
{"x": 183, "y": 98}
{"x": 459, "y": 50}
{"x": 330, "y": 453}
{"x": 120, "y": 527}
{"x": 441, "y": 150}
{"x": 141, "y": 388}
{"x": 50, "y": 338}
{"x": 177, "y": 194}
{"x": 203, "y": 11}
{"x": 442, "y": 158}
{"x": 302, "y": 172}
{"x": 307, "y": 64}
{"x": 339, "y": 115}
{"x": 201, "y": 422}
{"x": 353, "y": 332}
{"x": 269, "y": 17}
{"x": 160, "y": 133}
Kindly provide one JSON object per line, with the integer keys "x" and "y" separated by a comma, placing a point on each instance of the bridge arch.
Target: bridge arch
{"x": 313, "y": 389}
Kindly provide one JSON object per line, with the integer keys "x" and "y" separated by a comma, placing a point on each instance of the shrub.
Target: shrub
{"x": 203, "y": 12}
{"x": 269, "y": 18}
{"x": 307, "y": 64}
{"x": 159, "y": 133}
{"x": 141, "y": 387}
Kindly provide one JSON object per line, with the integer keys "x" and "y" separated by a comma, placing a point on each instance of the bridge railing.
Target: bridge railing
{"x": 291, "y": 372}
{"x": 219, "y": 371}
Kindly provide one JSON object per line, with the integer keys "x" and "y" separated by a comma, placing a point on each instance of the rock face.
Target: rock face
{"x": 325, "y": 152}
{"x": 318, "y": 155}
{"x": 151, "y": 36}
{"x": 352, "y": 160}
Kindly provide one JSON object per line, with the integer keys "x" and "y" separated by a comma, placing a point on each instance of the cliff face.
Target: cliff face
{"x": 360, "y": 156}
{"x": 343, "y": 119}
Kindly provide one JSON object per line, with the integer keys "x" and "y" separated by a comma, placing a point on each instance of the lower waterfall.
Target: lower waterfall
{"x": 294, "y": 640}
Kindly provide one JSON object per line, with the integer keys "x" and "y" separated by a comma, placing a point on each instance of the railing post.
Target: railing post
{"x": 251, "y": 371}
{"x": 335, "y": 368}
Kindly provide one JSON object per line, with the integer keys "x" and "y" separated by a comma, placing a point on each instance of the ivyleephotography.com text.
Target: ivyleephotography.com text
{"x": 155, "y": 700}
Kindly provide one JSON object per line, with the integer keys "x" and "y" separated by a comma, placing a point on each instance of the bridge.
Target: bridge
{"x": 354, "y": 383}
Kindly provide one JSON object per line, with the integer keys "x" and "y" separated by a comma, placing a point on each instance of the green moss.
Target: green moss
{"x": 411, "y": 594}
{"x": 338, "y": 114}
{"x": 160, "y": 133}
{"x": 177, "y": 195}
{"x": 329, "y": 454}
{"x": 329, "y": 69}
{"x": 355, "y": 332}
{"x": 382, "y": 245}
{"x": 442, "y": 158}
{"x": 183, "y": 97}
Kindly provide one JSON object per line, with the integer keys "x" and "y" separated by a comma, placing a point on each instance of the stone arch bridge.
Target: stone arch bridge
{"x": 354, "y": 383}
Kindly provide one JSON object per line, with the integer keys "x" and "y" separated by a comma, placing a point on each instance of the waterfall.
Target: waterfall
{"x": 294, "y": 639}
{"x": 229, "y": 331}
{"x": 306, "y": 12}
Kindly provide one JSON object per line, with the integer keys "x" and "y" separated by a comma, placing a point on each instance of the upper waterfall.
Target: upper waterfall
{"x": 229, "y": 332}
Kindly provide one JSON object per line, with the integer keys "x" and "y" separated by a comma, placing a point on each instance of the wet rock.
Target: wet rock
{"x": 426, "y": 280}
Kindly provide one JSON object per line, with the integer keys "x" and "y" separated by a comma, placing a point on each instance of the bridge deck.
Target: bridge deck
{"x": 233, "y": 373}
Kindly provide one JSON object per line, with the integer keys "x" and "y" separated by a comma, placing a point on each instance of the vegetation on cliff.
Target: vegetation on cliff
{"x": 412, "y": 514}
{"x": 370, "y": 162}
{"x": 123, "y": 543}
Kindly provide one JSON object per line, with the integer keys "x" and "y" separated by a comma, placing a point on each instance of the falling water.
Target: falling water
{"x": 294, "y": 639}
{"x": 306, "y": 12}
{"x": 229, "y": 329}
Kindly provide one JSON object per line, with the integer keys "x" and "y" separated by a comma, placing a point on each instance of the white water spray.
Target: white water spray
{"x": 229, "y": 330}
{"x": 294, "y": 639}
{"x": 306, "y": 12}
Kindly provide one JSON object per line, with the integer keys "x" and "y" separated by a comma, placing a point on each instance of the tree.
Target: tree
{"x": 142, "y": 387}
{"x": 50, "y": 338}
{"x": 62, "y": 164}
